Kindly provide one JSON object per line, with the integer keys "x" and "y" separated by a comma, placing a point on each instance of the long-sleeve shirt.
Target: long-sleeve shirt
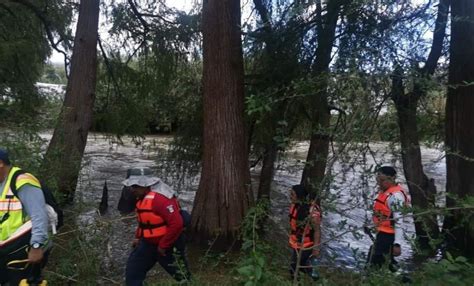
{"x": 32, "y": 200}
{"x": 395, "y": 202}
{"x": 168, "y": 209}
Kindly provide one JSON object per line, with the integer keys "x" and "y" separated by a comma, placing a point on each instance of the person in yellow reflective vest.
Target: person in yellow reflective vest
{"x": 305, "y": 230}
{"x": 23, "y": 224}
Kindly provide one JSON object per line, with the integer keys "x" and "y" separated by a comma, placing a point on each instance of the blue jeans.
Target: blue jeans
{"x": 144, "y": 257}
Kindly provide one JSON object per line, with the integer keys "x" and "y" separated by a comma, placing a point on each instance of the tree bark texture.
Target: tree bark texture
{"x": 270, "y": 147}
{"x": 224, "y": 193}
{"x": 278, "y": 76}
{"x": 316, "y": 160}
{"x": 63, "y": 158}
{"x": 422, "y": 189}
{"x": 267, "y": 171}
{"x": 459, "y": 126}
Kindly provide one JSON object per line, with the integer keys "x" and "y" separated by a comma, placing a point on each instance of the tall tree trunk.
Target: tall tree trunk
{"x": 268, "y": 170}
{"x": 459, "y": 126}
{"x": 224, "y": 193}
{"x": 270, "y": 147}
{"x": 316, "y": 160}
{"x": 63, "y": 158}
{"x": 422, "y": 189}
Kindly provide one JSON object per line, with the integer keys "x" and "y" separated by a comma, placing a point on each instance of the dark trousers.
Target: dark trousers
{"x": 304, "y": 261}
{"x": 145, "y": 255}
{"x": 381, "y": 252}
{"x": 18, "y": 250}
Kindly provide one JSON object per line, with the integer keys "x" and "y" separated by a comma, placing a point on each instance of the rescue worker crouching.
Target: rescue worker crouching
{"x": 305, "y": 230}
{"x": 24, "y": 242}
{"x": 158, "y": 237}
{"x": 391, "y": 198}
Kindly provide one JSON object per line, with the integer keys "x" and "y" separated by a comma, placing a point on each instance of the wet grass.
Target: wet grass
{"x": 78, "y": 262}
{"x": 85, "y": 256}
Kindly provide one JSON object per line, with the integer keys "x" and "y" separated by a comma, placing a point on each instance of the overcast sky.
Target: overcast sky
{"x": 184, "y": 5}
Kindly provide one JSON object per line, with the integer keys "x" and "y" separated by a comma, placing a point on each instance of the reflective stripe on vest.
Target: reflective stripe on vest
{"x": 10, "y": 206}
{"x": 150, "y": 225}
{"x": 300, "y": 236}
{"x": 383, "y": 216}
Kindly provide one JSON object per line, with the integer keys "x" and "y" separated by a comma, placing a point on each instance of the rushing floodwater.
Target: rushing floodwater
{"x": 350, "y": 195}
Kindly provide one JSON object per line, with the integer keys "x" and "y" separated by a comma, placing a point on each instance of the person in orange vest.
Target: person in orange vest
{"x": 305, "y": 230}
{"x": 391, "y": 198}
{"x": 158, "y": 237}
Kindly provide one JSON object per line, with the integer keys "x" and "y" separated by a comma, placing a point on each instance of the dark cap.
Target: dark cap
{"x": 300, "y": 191}
{"x": 387, "y": 171}
{"x": 4, "y": 156}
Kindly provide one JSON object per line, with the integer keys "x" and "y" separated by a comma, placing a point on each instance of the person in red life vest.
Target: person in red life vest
{"x": 391, "y": 198}
{"x": 305, "y": 230}
{"x": 158, "y": 237}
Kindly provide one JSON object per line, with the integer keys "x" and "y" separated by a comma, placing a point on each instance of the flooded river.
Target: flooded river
{"x": 349, "y": 196}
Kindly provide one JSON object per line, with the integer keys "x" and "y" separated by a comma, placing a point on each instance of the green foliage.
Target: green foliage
{"x": 24, "y": 145}
{"x": 128, "y": 101}
{"x": 252, "y": 269}
{"x": 448, "y": 271}
{"x": 53, "y": 73}
{"x": 23, "y": 50}
{"x": 255, "y": 266}
{"x": 431, "y": 114}
{"x": 184, "y": 101}
{"x": 151, "y": 84}
{"x": 78, "y": 251}
{"x": 257, "y": 105}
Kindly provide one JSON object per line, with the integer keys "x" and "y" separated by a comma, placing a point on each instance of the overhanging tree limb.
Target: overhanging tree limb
{"x": 139, "y": 16}
{"x": 438, "y": 38}
{"x": 48, "y": 27}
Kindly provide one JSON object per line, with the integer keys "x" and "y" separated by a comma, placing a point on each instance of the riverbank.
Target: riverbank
{"x": 346, "y": 207}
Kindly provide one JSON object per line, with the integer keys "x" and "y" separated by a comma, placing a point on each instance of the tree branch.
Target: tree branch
{"x": 48, "y": 27}
{"x": 109, "y": 68}
{"x": 439, "y": 34}
{"x": 139, "y": 16}
{"x": 5, "y": 7}
{"x": 157, "y": 16}
{"x": 263, "y": 12}
{"x": 397, "y": 92}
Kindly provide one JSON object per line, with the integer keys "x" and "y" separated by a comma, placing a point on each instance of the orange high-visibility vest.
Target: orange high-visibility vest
{"x": 301, "y": 236}
{"x": 383, "y": 215}
{"x": 150, "y": 225}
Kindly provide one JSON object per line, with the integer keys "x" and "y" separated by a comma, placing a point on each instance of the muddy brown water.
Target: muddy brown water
{"x": 351, "y": 194}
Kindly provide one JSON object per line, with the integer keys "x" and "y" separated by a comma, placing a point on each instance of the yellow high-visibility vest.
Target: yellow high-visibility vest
{"x": 18, "y": 222}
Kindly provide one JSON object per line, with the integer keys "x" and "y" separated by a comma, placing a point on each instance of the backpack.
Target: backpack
{"x": 186, "y": 217}
{"x": 49, "y": 199}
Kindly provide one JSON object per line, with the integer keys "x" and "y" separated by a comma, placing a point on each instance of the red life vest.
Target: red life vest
{"x": 301, "y": 236}
{"x": 383, "y": 216}
{"x": 150, "y": 225}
